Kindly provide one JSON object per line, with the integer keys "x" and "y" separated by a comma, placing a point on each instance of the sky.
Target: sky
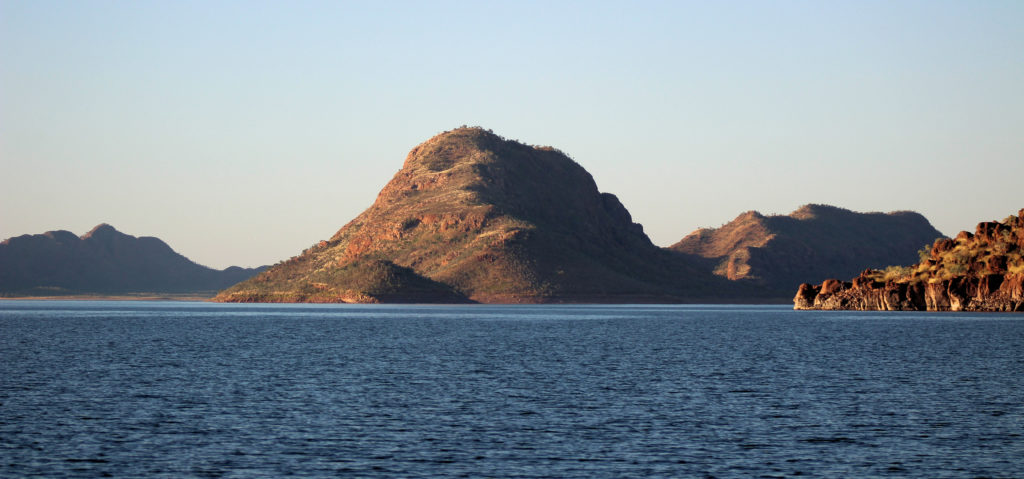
{"x": 242, "y": 132}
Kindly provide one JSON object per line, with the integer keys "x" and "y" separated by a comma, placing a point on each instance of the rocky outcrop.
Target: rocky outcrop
{"x": 104, "y": 261}
{"x": 492, "y": 220}
{"x": 980, "y": 271}
{"x": 813, "y": 243}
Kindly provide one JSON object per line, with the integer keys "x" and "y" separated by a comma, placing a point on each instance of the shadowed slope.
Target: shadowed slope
{"x": 815, "y": 241}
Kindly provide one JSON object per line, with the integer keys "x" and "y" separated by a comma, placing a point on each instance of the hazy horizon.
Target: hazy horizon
{"x": 243, "y": 132}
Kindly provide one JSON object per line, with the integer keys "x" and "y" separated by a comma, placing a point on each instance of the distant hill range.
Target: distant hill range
{"x": 980, "y": 271}
{"x": 472, "y": 216}
{"x": 813, "y": 243}
{"x": 104, "y": 261}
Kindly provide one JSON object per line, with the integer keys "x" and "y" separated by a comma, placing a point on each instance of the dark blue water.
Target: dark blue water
{"x": 202, "y": 390}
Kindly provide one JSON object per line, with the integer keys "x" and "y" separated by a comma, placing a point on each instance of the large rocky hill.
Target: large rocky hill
{"x": 472, "y": 216}
{"x": 104, "y": 261}
{"x": 980, "y": 271}
{"x": 813, "y": 243}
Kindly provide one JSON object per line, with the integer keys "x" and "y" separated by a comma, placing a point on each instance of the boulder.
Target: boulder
{"x": 832, "y": 286}
{"x": 805, "y": 295}
{"x": 987, "y": 230}
{"x": 941, "y": 246}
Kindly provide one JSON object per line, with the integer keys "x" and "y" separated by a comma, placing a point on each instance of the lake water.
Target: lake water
{"x": 170, "y": 389}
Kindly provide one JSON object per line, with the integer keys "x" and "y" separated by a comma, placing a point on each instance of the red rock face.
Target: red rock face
{"x": 988, "y": 230}
{"x": 973, "y": 272}
{"x": 831, "y": 286}
{"x": 805, "y": 296}
{"x": 1013, "y": 287}
{"x": 865, "y": 281}
{"x": 936, "y": 298}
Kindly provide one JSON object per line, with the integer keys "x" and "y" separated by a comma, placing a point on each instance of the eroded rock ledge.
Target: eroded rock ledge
{"x": 983, "y": 271}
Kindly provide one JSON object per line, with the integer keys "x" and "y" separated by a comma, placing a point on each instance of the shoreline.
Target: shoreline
{"x": 209, "y": 299}
{"x": 118, "y": 297}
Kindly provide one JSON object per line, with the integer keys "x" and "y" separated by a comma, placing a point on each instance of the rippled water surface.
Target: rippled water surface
{"x": 204, "y": 390}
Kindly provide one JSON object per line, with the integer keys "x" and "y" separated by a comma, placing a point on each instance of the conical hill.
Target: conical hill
{"x": 474, "y": 216}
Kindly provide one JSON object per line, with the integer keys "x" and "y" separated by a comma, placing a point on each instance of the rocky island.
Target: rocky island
{"x": 983, "y": 271}
{"x": 472, "y": 216}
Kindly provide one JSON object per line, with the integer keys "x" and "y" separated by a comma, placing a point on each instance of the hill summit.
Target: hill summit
{"x": 472, "y": 216}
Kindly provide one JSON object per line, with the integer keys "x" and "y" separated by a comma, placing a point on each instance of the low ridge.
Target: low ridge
{"x": 482, "y": 218}
{"x": 815, "y": 241}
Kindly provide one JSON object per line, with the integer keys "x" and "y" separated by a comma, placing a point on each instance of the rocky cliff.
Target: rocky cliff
{"x": 813, "y": 243}
{"x": 104, "y": 261}
{"x": 473, "y": 216}
{"x": 983, "y": 271}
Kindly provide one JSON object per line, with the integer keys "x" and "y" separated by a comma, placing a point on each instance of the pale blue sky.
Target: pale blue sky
{"x": 243, "y": 132}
